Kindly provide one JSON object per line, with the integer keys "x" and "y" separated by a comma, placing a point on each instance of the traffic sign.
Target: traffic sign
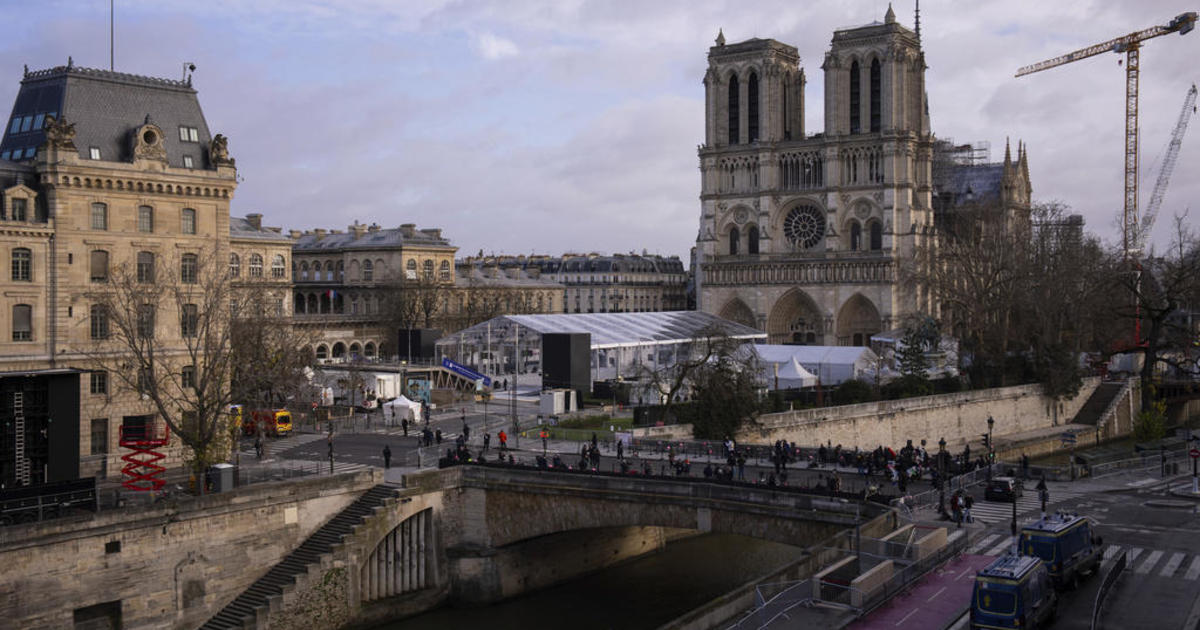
{"x": 1195, "y": 453}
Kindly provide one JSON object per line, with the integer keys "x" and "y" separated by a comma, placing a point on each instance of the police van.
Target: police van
{"x": 1067, "y": 543}
{"x": 1013, "y": 592}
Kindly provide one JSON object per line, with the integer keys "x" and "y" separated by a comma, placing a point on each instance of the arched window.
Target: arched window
{"x": 410, "y": 269}
{"x": 855, "y": 236}
{"x": 188, "y": 264}
{"x": 256, "y": 266}
{"x": 312, "y": 308}
{"x": 145, "y": 267}
{"x": 278, "y": 266}
{"x": 341, "y": 271}
{"x": 752, "y": 106}
{"x": 329, "y": 271}
{"x": 369, "y": 350}
{"x": 733, "y": 109}
{"x": 299, "y": 307}
{"x": 876, "y": 236}
{"x": 752, "y": 240}
{"x": 876, "y": 97}
{"x": 22, "y": 261}
{"x": 304, "y": 271}
{"x": 734, "y": 237}
{"x": 99, "y": 265}
{"x": 98, "y": 317}
{"x": 322, "y": 352}
{"x": 355, "y": 350}
{"x": 428, "y": 269}
{"x": 368, "y": 271}
{"x": 339, "y": 350}
{"x": 855, "y": 98}
{"x": 22, "y": 322}
{"x": 444, "y": 273}
{"x": 235, "y": 265}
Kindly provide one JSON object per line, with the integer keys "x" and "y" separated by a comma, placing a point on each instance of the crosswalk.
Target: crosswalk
{"x": 1141, "y": 561}
{"x": 1028, "y": 506}
{"x": 317, "y": 467}
{"x": 282, "y": 444}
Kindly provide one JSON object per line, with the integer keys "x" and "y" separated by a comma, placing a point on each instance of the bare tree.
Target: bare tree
{"x": 270, "y": 356}
{"x": 161, "y": 327}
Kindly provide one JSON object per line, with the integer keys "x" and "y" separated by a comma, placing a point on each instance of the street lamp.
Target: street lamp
{"x": 942, "y": 476}
{"x": 991, "y": 447}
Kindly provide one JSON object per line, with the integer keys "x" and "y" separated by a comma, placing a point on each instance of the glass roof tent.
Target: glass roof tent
{"x": 492, "y": 346}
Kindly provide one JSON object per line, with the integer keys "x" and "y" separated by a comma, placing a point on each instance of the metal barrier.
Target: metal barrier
{"x": 1110, "y": 578}
{"x": 1150, "y": 462}
{"x": 913, "y": 502}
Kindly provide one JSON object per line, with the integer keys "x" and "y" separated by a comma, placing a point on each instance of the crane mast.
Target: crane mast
{"x": 1130, "y": 45}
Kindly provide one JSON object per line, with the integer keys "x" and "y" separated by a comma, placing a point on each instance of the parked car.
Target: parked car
{"x": 1002, "y": 489}
{"x": 1067, "y": 543}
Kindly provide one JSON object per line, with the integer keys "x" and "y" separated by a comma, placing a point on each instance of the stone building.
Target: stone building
{"x": 800, "y": 234}
{"x": 598, "y": 283}
{"x": 260, "y": 261}
{"x": 100, "y": 171}
{"x": 341, "y": 283}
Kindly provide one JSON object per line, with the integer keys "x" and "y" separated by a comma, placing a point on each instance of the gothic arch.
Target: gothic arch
{"x": 857, "y": 320}
{"x": 735, "y": 310}
{"x": 796, "y": 319}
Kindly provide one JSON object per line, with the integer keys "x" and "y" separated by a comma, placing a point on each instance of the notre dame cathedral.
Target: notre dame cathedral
{"x": 801, "y": 235}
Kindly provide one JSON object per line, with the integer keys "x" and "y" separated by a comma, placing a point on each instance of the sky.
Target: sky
{"x": 549, "y": 126}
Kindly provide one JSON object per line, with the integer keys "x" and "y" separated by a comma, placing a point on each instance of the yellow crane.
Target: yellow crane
{"x": 1130, "y": 45}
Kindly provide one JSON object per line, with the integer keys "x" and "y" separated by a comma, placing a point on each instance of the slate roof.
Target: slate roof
{"x": 106, "y": 107}
{"x": 241, "y": 228}
{"x": 386, "y": 238}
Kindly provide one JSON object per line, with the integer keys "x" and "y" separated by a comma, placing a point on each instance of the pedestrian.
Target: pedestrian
{"x": 503, "y": 440}
{"x": 438, "y": 436}
{"x": 466, "y": 431}
{"x": 404, "y": 423}
{"x": 258, "y": 446}
{"x": 487, "y": 440}
{"x": 968, "y": 503}
{"x": 1025, "y": 465}
{"x": 387, "y": 456}
{"x": 620, "y": 450}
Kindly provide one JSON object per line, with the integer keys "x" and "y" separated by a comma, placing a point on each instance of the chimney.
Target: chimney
{"x": 255, "y": 220}
{"x": 319, "y": 233}
{"x": 433, "y": 232}
{"x": 373, "y": 228}
{"x": 408, "y": 230}
{"x": 357, "y": 229}
{"x": 295, "y": 234}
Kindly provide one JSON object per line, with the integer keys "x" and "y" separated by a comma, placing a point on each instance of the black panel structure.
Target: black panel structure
{"x": 416, "y": 344}
{"x": 567, "y": 361}
{"x": 39, "y": 429}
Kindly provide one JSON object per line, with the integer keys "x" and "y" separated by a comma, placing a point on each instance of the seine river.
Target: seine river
{"x": 642, "y": 593}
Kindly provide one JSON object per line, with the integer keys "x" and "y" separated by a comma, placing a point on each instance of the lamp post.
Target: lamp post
{"x": 942, "y": 476}
{"x": 991, "y": 447}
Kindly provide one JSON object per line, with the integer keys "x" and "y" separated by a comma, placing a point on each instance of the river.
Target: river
{"x": 643, "y": 593}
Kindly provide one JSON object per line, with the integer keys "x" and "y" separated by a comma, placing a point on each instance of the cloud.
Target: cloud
{"x": 492, "y": 47}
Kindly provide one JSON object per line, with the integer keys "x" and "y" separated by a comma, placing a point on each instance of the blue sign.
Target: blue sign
{"x": 465, "y": 372}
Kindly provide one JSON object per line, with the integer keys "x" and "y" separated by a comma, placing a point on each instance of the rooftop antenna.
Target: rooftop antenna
{"x": 111, "y": 29}
{"x": 187, "y": 67}
{"x": 918, "y": 21}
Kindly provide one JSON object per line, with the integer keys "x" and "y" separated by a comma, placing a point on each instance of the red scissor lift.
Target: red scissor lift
{"x": 142, "y": 470}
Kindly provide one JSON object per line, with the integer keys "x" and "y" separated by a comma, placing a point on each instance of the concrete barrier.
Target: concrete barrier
{"x": 864, "y": 586}
{"x": 929, "y": 544}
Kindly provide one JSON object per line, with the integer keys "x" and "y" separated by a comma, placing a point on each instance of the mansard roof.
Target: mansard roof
{"x": 241, "y": 228}
{"x": 370, "y": 238}
{"x": 106, "y": 108}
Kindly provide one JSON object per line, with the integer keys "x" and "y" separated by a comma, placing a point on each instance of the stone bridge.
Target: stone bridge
{"x": 477, "y": 534}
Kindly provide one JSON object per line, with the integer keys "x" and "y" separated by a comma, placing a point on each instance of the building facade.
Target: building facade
{"x": 260, "y": 263}
{"x": 801, "y": 234}
{"x": 342, "y": 283}
{"x": 103, "y": 173}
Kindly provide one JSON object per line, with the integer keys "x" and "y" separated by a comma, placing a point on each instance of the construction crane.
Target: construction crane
{"x": 1168, "y": 167}
{"x": 1130, "y": 45}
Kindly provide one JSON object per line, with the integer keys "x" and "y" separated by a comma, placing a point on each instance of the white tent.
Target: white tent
{"x": 832, "y": 364}
{"x": 404, "y": 408}
{"x": 787, "y": 375}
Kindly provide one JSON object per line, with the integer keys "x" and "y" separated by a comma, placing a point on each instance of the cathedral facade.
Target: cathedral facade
{"x": 801, "y": 235}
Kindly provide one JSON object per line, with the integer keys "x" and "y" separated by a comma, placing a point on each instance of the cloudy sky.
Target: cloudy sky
{"x": 565, "y": 125}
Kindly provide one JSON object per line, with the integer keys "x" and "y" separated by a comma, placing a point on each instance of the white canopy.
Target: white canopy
{"x": 405, "y": 408}
{"x": 787, "y": 375}
{"x": 832, "y": 364}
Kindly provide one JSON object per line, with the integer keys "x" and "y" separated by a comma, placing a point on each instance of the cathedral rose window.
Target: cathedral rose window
{"x": 804, "y": 227}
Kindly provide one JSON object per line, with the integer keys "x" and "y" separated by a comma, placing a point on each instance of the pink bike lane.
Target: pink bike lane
{"x": 933, "y": 601}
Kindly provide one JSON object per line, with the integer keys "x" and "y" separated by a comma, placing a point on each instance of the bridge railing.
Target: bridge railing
{"x": 1114, "y": 571}
{"x": 912, "y": 502}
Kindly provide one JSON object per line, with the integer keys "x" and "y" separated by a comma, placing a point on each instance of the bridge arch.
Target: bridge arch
{"x": 401, "y": 561}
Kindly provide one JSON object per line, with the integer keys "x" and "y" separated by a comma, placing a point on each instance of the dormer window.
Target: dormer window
{"x": 189, "y": 134}
{"x": 187, "y": 161}
{"x": 20, "y": 211}
{"x": 94, "y": 153}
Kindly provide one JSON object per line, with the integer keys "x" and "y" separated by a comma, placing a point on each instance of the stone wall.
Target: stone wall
{"x": 170, "y": 566}
{"x": 959, "y": 418}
